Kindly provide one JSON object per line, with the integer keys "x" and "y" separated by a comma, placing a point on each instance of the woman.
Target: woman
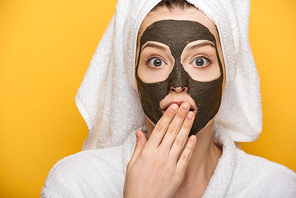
{"x": 192, "y": 73}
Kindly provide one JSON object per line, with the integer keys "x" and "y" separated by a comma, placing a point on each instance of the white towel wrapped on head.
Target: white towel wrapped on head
{"x": 107, "y": 98}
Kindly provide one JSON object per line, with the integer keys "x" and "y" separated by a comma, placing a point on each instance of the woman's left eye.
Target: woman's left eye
{"x": 199, "y": 62}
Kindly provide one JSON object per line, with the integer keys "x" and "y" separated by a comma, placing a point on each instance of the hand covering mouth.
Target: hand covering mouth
{"x": 179, "y": 103}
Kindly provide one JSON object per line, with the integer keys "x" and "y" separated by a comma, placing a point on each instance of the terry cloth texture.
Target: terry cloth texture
{"x": 101, "y": 173}
{"x": 107, "y": 97}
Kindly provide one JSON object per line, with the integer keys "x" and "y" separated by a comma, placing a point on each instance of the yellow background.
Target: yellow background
{"x": 45, "y": 48}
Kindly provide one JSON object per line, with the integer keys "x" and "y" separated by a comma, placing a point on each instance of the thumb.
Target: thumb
{"x": 141, "y": 141}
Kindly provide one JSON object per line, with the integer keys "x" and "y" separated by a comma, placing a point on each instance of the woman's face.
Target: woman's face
{"x": 179, "y": 59}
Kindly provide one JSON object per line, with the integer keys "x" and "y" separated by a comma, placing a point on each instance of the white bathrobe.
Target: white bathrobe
{"x": 101, "y": 173}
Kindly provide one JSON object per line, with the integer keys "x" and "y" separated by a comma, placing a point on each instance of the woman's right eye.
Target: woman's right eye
{"x": 156, "y": 62}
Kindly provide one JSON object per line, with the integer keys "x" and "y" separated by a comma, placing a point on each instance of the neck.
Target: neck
{"x": 202, "y": 164}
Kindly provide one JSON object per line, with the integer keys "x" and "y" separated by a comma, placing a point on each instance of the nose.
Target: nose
{"x": 178, "y": 89}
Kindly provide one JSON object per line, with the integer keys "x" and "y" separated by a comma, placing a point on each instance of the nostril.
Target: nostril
{"x": 179, "y": 89}
{"x": 184, "y": 89}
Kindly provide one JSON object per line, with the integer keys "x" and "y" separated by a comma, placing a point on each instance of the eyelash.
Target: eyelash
{"x": 202, "y": 57}
{"x": 154, "y": 57}
{"x": 201, "y": 67}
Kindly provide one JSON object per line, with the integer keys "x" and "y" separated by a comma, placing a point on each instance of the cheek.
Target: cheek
{"x": 206, "y": 74}
{"x": 210, "y": 65}
{"x": 150, "y": 74}
{"x": 150, "y": 95}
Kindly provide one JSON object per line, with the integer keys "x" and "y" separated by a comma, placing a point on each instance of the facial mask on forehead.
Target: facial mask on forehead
{"x": 176, "y": 34}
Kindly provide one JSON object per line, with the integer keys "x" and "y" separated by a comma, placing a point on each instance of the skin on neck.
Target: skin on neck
{"x": 206, "y": 154}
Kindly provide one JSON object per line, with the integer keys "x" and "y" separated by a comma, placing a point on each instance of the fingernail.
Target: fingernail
{"x": 189, "y": 116}
{"x": 185, "y": 106}
{"x": 138, "y": 135}
{"x": 174, "y": 108}
{"x": 192, "y": 138}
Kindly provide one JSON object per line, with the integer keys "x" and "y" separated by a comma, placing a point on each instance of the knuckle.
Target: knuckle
{"x": 184, "y": 157}
{"x": 187, "y": 125}
{"x": 189, "y": 147}
{"x": 173, "y": 130}
{"x": 159, "y": 128}
{"x": 179, "y": 141}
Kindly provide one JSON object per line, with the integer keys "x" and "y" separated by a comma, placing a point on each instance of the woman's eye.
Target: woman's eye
{"x": 199, "y": 62}
{"x": 156, "y": 62}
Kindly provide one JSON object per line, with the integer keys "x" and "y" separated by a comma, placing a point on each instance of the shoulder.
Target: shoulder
{"x": 259, "y": 177}
{"x": 86, "y": 174}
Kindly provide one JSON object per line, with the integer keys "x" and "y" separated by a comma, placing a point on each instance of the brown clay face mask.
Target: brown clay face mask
{"x": 176, "y": 34}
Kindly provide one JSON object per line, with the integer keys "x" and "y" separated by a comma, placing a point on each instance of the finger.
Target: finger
{"x": 174, "y": 128}
{"x": 182, "y": 137}
{"x": 161, "y": 126}
{"x": 141, "y": 140}
{"x": 186, "y": 155}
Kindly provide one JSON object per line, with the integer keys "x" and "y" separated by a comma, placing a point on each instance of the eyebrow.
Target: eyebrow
{"x": 154, "y": 46}
{"x": 205, "y": 43}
